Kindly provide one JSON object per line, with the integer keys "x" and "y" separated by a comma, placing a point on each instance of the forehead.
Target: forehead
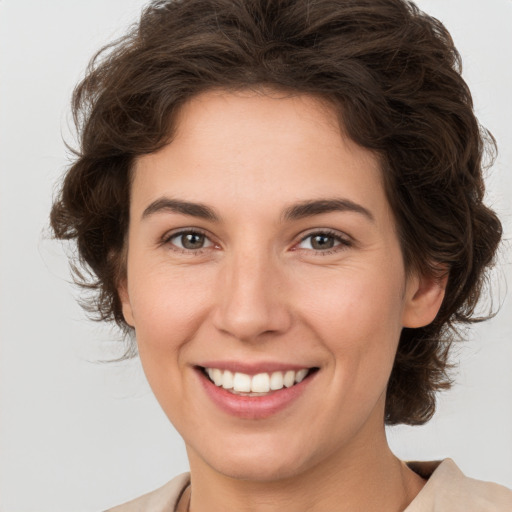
{"x": 267, "y": 117}
{"x": 262, "y": 104}
{"x": 253, "y": 145}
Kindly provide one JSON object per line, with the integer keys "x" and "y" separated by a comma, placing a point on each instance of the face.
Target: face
{"x": 262, "y": 254}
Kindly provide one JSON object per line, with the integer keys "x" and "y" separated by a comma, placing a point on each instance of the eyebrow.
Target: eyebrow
{"x": 296, "y": 211}
{"x": 184, "y": 207}
{"x": 320, "y": 206}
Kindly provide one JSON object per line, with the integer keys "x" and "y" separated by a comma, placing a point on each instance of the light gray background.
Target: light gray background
{"x": 81, "y": 436}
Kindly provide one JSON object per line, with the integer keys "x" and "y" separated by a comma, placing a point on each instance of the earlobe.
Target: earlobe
{"x": 124, "y": 297}
{"x": 424, "y": 296}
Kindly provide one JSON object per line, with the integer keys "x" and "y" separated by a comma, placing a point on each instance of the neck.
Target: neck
{"x": 367, "y": 477}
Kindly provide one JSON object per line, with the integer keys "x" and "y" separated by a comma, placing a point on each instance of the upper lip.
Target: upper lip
{"x": 253, "y": 368}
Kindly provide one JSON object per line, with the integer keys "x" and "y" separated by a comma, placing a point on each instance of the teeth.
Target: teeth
{"x": 289, "y": 378}
{"x": 276, "y": 381}
{"x": 217, "y": 377}
{"x": 242, "y": 382}
{"x": 227, "y": 380}
{"x": 301, "y": 374}
{"x": 259, "y": 383}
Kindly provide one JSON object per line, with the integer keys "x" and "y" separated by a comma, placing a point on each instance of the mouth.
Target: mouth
{"x": 259, "y": 384}
{"x": 251, "y": 391}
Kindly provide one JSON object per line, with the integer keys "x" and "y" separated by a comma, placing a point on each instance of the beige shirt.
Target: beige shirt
{"x": 447, "y": 490}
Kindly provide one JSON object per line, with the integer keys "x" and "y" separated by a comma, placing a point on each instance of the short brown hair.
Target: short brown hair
{"x": 394, "y": 76}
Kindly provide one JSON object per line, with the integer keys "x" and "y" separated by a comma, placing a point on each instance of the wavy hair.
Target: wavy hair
{"x": 393, "y": 74}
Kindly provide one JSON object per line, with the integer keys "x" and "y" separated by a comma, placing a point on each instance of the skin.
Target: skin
{"x": 258, "y": 290}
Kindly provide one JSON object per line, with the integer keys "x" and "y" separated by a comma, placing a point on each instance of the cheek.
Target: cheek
{"x": 353, "y": 300}
{"x": 357, "y": 316}
{"x": 168, "y": 306}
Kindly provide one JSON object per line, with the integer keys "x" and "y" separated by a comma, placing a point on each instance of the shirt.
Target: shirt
{"x": 447, "y": 490}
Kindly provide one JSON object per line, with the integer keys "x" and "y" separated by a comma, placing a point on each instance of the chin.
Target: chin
{"x": 255, "y": 465}
{"x": 258, "y": 471}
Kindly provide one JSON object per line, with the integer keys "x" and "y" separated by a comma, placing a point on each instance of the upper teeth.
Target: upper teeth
{"x": 259, "y": 383}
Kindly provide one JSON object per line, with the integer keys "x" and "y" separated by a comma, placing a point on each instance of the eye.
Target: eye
{"x": 189, "y": 240}
{"x": 324, "y": 241}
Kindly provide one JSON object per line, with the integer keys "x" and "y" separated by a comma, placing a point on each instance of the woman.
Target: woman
{"x": 282, "y": 200}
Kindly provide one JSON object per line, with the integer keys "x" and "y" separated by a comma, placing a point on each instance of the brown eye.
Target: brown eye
{"x": 190, "y": 240}
{"x": 323, "y": 241}
{"x": 320, "y": 242}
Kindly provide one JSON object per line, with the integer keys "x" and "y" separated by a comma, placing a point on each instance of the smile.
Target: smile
{"x": 256, "y": 385}
{"x": 257, "y": 394}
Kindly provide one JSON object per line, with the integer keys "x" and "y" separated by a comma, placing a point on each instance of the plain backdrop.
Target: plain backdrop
{"x": 80, "y": 435}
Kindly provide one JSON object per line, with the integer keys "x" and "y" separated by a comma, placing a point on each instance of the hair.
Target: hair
{"x": 390, "y": 71}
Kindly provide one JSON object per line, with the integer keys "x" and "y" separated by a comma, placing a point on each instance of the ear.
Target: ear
{"x": 124, "y": 297}
{"x": 423, "y": 298}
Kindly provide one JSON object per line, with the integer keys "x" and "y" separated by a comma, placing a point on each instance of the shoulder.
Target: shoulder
{"x": 449, "y": 490}
{"x": 163, "y": 499}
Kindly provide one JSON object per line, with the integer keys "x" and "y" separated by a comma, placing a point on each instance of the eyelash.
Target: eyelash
{"x": 343, "y": 242}
{"x": 167, "y": 240}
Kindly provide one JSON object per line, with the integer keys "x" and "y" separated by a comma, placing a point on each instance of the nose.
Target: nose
{"x": 251, "y": 302}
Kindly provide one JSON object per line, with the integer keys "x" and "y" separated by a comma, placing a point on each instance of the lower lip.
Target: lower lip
{"x": 253, "y": 407}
